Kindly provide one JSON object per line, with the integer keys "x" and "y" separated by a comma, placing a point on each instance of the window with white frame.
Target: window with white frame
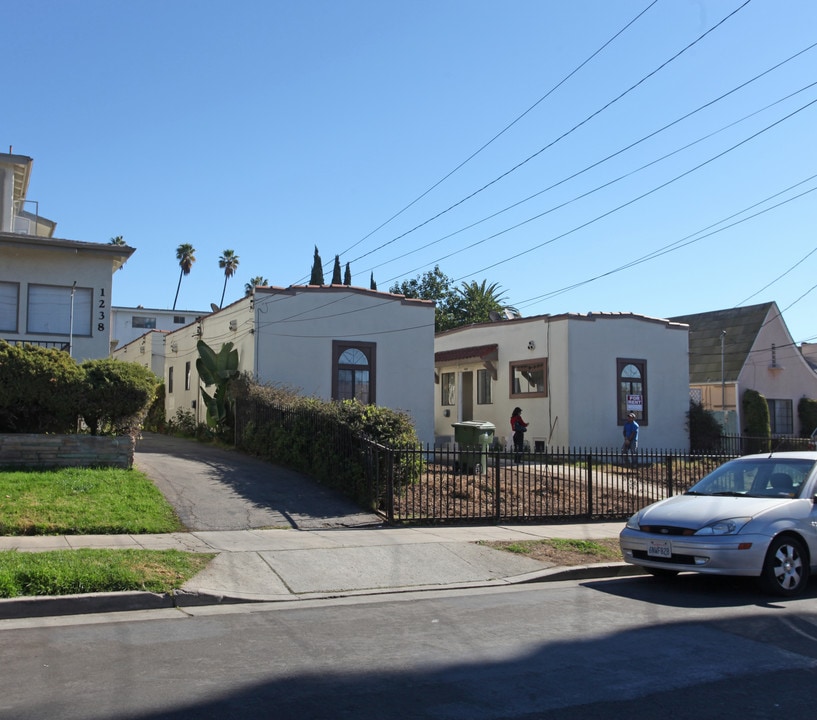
{"x": 448, "y": 388}
{"x": 56, "y": 310}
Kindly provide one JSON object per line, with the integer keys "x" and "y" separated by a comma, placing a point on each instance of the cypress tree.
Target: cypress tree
{"x": 336, "y": 272}
{"x": 347, "y": 276}
{"x": 317, "y": 269}
{"x": 372, "y": 283}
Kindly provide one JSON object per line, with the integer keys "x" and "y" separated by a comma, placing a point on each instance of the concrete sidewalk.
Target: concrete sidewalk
{"x": 289, "y": 564}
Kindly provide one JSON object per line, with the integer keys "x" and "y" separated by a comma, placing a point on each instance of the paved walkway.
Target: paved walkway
{"x": 280, "y": 536}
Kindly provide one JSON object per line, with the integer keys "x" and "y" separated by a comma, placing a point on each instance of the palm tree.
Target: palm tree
{"x": 117, "y": 240}
{"x": 475, "y": 301}
{"x": 185, "y": 254}
{"x": 257, "y": 281}
{"x": 227, "y": 262}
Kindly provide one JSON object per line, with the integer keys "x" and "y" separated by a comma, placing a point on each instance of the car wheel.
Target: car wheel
{"x": 661, "y": 573}
{"x": 786, "y": 568}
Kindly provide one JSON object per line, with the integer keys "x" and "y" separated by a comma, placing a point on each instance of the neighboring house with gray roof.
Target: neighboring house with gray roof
{"x": 734, "y": 350}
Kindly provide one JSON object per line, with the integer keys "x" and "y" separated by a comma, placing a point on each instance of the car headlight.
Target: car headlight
{"x": 730, "y": 526}
{"x": 633, "y": 521}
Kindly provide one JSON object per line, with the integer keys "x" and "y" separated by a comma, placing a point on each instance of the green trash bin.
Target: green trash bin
{"x": 473, "y": 438}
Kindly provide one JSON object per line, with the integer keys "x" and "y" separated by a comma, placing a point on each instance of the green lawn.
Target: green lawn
{"x": 79, "y": 501}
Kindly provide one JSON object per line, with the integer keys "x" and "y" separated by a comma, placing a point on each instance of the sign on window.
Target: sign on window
{"x": 635, "y": 403}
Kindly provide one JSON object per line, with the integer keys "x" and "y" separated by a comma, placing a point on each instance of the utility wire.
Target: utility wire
{"x": 683, "y": 242}
{"x": 607, "y": 184}
{"x": 558, "y": 139}
{"x": 598, "y": 163}
{"x": 504, "y": 130}
{"x": 639, "y": 197}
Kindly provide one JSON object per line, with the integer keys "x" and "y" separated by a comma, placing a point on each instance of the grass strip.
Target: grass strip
{"x": 68, "y": 572}
{"x": 562, "y": 551}
{"x": 83, "y": 501}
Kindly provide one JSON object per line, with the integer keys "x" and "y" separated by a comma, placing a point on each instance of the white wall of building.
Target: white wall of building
{"x": 36, "y": 266}
{"x": 596, "y": 341}
{"x": 581, "y": 351}
{"x": 296, "y": 328}
{"x": 128, "y": 324}
{"x": 147, "y": 351}
{"x": 285, "y": 337}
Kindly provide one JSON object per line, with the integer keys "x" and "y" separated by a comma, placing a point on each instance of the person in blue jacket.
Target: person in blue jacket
{"x": 630, "y": 447}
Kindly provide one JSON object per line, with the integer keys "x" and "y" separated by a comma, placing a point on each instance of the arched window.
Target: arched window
{"x": 632, "y": 389}
{"x": 353, "y": 371}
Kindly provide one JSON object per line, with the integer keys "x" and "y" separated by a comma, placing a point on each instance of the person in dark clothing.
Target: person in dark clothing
{"x": 519, "y": 428}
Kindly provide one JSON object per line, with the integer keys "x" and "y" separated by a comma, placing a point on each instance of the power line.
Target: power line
{"x": 636, "y": 199}
{"x": 505, "y": 129}
{"x": 561, "y": 137}
{"x": 683, "y": 242}
{"x": 598, "y": 163}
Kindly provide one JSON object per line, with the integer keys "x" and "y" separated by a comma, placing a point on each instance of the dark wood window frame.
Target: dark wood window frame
{"x": 535, "y": 362}
{"x": 621, "y": 403}
{"x": 369, "y": 349}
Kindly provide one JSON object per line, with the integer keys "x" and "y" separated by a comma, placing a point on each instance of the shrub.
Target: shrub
{"x": 39, "y": 390}
{"x": 116, "y": 395}
{"x": 757, "y": 425}
{"x": 705, "y": 431}
{"x": 323, "y": 438}
{"x": 155, "y": 420}
{"x": 807, "y": 413}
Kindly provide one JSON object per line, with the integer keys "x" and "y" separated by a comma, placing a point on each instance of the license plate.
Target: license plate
{"x": 660, "y": 548}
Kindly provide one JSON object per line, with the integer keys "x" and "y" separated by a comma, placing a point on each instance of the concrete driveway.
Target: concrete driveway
{"x": 213, "y": 488}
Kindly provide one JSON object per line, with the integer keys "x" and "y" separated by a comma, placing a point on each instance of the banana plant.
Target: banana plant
{"x": 217, "y": 369}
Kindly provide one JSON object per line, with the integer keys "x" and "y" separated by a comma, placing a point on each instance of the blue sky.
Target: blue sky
{"x": 488, "y": 138}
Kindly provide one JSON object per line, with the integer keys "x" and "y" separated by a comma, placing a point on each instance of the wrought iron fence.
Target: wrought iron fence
{"x": 448, "y": 485}
{"x": 480, "y": 484}
{"x": 746, "y": 445}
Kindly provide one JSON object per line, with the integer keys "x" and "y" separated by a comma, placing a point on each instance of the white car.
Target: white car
{"x": 754, "y": 516}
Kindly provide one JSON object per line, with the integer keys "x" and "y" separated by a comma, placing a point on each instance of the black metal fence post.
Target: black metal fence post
{"x": 590, "y": 486}
{"x": 497, "y": 490}
{"x": 669, "y": 476}
{"x": 390, "y": 485}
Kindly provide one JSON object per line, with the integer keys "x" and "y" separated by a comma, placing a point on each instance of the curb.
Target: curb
{"x": 92, "y": 603}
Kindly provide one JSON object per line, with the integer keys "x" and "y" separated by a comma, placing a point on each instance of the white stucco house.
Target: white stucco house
{"x": 129, "y": 323}
{"x": 330, "y": 342}
{"x": 53, "y": 292}
{"x": 737, "y": 349}
{"x": 575, "y": 377}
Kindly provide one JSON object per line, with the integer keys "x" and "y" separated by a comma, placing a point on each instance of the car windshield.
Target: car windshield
{"x": 757, "y": 477}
